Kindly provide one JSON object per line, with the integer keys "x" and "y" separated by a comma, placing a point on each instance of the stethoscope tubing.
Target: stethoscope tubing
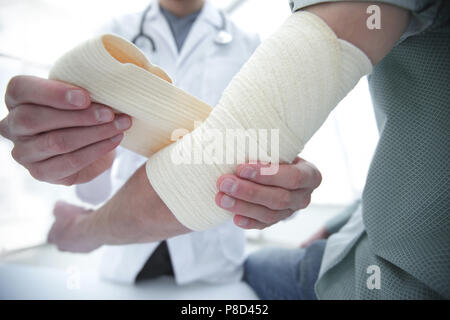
{"x": 223, "y": 29}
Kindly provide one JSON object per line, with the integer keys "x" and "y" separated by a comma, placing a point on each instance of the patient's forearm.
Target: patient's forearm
{"x": 134, "y": 214}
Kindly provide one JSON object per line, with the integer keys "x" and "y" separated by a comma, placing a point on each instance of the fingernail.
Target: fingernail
{"x": 76, "y": 97}
{"x": 243, "y": 222}
{"x": 248, "y": 173}
{"x": 117, "y": 138}
{"x": 226, "y": 202}
{"x": 103, "y": 114}
{"x": 122, "y": 123}
{"x": 228, "y": 186}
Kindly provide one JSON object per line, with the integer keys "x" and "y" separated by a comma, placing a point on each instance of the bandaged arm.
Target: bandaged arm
{"x": 291, "y": 83}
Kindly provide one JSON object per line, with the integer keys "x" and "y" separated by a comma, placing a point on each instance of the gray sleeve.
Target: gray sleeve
{"x": 424, "y": 12}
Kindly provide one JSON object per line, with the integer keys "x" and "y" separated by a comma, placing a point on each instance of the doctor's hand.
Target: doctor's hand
{"x": 58, "y": 134}
{"x": 71, "y": 230}
{"x": 259, "y": 201}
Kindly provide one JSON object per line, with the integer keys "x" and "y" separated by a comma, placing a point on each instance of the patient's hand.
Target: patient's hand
{"x": 71, "y": 229}
{"x": 58, "y": 134}
{"x": 259, "y": 201}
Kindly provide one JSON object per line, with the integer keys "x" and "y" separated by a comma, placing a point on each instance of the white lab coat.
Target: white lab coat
{"x": 202, "y": 68}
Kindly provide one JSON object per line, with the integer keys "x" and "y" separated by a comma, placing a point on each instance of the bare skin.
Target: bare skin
{"x": 182, "y": 8}
{"x": 349, "y": 21}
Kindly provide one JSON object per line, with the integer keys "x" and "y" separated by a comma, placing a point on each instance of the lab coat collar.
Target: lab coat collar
{"x": 211, "y": 14}
{"x": 154, "y": 11}
{"x": 209, "y": 20}
{"x": 155, "y": 23}
{"x": 208, "y": 13}
{"x": 209, "y": 17}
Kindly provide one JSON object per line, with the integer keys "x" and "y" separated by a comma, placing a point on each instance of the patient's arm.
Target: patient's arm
{"x": 137, "y": 214}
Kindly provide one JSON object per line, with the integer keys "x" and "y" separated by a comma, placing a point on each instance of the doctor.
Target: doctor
{"x": 201, "y": 50}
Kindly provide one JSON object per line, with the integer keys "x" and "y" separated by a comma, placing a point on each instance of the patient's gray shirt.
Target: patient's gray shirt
{"x": 402, "y": 227}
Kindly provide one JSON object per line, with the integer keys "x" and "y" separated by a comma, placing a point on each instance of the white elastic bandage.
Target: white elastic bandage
{"x": 116, "y": 73}
{"x": 291, "y": 83}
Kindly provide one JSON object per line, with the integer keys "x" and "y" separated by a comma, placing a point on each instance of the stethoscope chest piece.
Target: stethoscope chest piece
{"x": 223, "y": 37}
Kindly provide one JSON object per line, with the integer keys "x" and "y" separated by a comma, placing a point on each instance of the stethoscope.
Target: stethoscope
{"x": 223, "y": 36}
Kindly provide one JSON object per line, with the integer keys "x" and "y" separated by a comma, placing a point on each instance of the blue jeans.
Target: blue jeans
{"x": 285, "y": 274}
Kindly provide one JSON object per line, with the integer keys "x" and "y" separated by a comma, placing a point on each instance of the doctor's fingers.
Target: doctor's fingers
{"x": 270, "y": 197}
{"x": 28, "y": 119}
{"x": 251, "y": 210}
{"x": 46, "y": 145}
{"x": 91, "y": 171}
{"x": 52, "y": 93}
{"x": 249, "y": 223}
{"x": 57, "y": 169}
{"x": 298, "y": 174}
